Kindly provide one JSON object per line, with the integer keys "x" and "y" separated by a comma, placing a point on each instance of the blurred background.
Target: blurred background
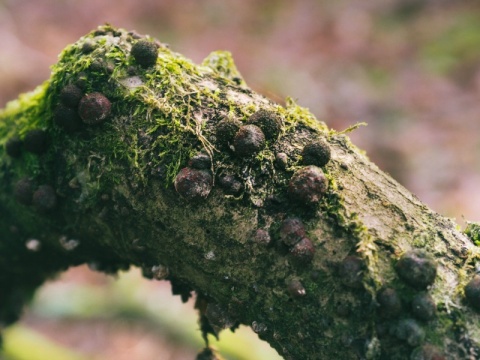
{"x": 409, "y": 68}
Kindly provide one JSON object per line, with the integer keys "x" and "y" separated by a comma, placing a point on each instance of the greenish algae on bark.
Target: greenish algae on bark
{"x": 117, "y": 207}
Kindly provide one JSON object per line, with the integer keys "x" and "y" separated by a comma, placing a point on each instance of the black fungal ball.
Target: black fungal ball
{"x": 472, "y": 292}
{"x": 207, "y": 354}
{"x": 36, "y": 141}
{"x": 200, "y": 162}
{"x": 94, "y": 108}
{"x": 145, "y": 53}
{"x": 291, "y": 231}
{"x": 296, "y": 289}
{"x": 410, "y": 331}
{"x": 193, "y": 184}
{"x": 308, "y": 185}
{"x": 82, "y": 81}
{"x": 261, "y": 237}
{"x": 269, "y": 121}
{"x": 87, "y": 47}
{"x": 45, "y": 198}
{"x": 71, "y": 95}
{"x": 390, "y": 303}
{"x": 427, "y": 352}
{"x": 23, "y": 191}
{"x": 351, "y": 272}
{"x": 226, "y": 130}
{"x": 13, "y": 147}
{"x": 281, "y": 161}
{"x": 248, "y": 140}
{"x": 316, "y": 153}
{"x": 231, "y": 185}
{"x": 423, "y": 307}
{"x": 417, "y": 269}
{"x": 67, "y": 118}
{"x": 303, "y": 250}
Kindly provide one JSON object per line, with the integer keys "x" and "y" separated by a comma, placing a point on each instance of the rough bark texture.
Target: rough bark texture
{"x": 185, "y": 172}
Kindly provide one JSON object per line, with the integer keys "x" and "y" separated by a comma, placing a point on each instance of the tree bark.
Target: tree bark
{"x": 272, "y": 219}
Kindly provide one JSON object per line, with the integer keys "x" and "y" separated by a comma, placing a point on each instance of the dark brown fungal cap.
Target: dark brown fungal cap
{"x": 316, "y": 153}
{"x": 270, "y": 122}
{"x": 281, "y": 161}
{"x": 296, "y": 289}
{"x": 423, "y": 307}
{"x": 94, "y": 108}
{"x": 390, "y": 303}
{"x": 292, "y": 231}
{"x": 36, "y": 141}
{"x": 231, "y": 185}
{"x": 145, "y": 53}
{"x": 472, "y": 292}
{"x": 248, "y": 140}
{"x": 409, "y": 331}
{"x": 45, "y": 198}
{"x": 67, "y": 118}
{"x": 23, "y": 191}
{"x": 262, "y": 237}
{"x": 226, "y": 130}
{"x": 427, "y": 352}
{"x": 350, "y": 271}
{"x": 200, "y": 162}
{"x": 13, "y": 147}
{"x": 308, "y": 185}
{"x": 417, "y": 269}
{"x": 193, "y": 184}
{"x": 303, "y": 250}
{"x": 71, "y": 95}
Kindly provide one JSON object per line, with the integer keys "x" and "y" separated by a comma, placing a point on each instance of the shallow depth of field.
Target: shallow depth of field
{"x": 408, "y": 68}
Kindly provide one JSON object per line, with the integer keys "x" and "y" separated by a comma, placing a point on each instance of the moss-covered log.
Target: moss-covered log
{"x": 130, "y": 154}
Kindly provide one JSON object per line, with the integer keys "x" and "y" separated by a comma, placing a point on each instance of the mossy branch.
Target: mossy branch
{"x": 131, "y": 155}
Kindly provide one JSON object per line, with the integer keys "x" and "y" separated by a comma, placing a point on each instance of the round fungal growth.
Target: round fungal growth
{"x": 226, "y": 130}
{"x": 262, "y": 237}
{"x": 67, "y": 118}
{"x": 193, "y": 184}
{"x": 36, "y": 141}
{"x": 87, "y": 47}
{"x": 23, "y": 191}
{"x": 13, "y": 147}
{"x": 292, "y": 231}
{"x": 200, "y": 162}
{"x": 427, "y": 352}
{"x": 296, "y": 289}
{"x": 472, "y": 292}
{"x": 316, "y": 153}
{"x": 207, "y": 354}
{"x": 71, "y": 95}
{"x": 390, "y": 303}
{"x": 350, "y": 271}
{"x": 44, "y": 198}
{"x": 308, "y": 185}
{"x": 417, "y": 269}
{"x": 409, "y": 331}
{"x": 248, "y": 140}
{"x": 303, "y": 250}
{"x": 281, "y": 161}
{"x": 231, "y": 185}
{"x": 145, "y": 53}
{"x": 423, "y": 307}
{"x": 94, "y": 108}
{"x": 269, "y": 121}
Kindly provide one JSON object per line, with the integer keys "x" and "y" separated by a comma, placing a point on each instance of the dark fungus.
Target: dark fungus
{"x": 262, "y": 237}
{"x": 231, "y": 185}
{"x": 207, "y": 354}
{"x": 269, "y": 121}
{"x": 145, "y": 53}
{"x": 44, "y": 198}
{"x": 472, "y": 292}
{"x": 417, "y": 269}
{"x": 308, "y": 185}
{"x": 226, "y": 130}
{"x": 248, "y": 140}
{"x": 291, "y": 231}
{"x": 200, "y": 161}
{"x": 193, "y": 184}
{"x": 427, "y": 352}
{"x": 281, "y": 161}
{"x": 218, "y": 317}
{"x": 296, "y": 289}
{"x": 351, "y": 272}
{"x": 316, "y": 153}
{"x": 36, "y": 141}
{"x": 94, "y": 108}
{"x": 23, "y": 191}
{"x": 71, "y": 95}
{"x": 423, "y": 307}
{"x": 390, "y": 303}
{"x": 410, "y": 331}
{"x": 13, "y": 147}
{"x": 303, "y": 251}
{"x": 67, "y": 118}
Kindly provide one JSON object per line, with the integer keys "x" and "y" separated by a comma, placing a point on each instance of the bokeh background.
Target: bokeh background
{"x": 408, "y": 68}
